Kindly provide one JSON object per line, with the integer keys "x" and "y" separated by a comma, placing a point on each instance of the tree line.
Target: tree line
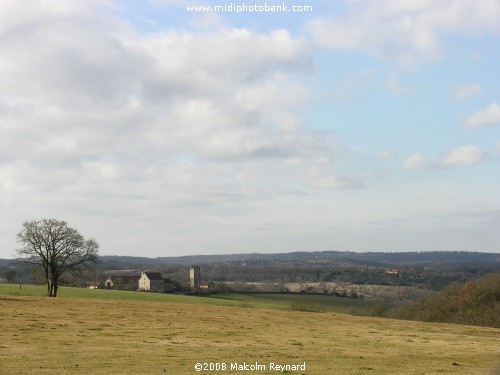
{"x": 433, "y": 279}
{"x": 475, "y": 302}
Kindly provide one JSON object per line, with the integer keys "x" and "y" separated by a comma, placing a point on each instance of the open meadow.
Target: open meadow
{"x": 266, "y": 301}
{"x": 71, "y": 334}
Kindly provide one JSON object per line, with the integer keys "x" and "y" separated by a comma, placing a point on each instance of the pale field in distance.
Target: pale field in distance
{"x": 41, "y": 335}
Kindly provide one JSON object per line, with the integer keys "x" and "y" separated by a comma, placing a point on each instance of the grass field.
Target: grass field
{"x": 266, "y": 301}
{"x": 114, "y": 335}
{"x": 320, "y": 303}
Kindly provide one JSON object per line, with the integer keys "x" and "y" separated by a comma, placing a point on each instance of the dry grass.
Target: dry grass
{"x": 41, "y": 335}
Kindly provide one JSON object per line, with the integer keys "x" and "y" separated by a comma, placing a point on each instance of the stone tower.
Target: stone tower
{"x": 194, "y": 278}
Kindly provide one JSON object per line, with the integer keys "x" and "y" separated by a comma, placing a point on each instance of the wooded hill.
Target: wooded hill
{"x": 430, "y": 270}
{"x": 436, "y": 259}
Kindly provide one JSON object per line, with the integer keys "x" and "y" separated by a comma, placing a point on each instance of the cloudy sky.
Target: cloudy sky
{"x": 362, "y": 125}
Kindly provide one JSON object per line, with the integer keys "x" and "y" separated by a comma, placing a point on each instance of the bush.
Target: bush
{"x": 474, "y": 303}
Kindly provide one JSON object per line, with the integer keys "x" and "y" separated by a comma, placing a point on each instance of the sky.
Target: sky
{"x": 163, "y": 130}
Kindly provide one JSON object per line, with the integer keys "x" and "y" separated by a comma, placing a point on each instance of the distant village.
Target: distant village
{"x": 154, "y": 282}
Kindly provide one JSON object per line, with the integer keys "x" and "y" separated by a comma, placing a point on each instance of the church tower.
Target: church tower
{"x": 194, "y": 278}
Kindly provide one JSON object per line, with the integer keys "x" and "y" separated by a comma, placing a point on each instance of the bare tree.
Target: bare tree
{"x": 56, "y": 248}
{"x": 9, "y": 274}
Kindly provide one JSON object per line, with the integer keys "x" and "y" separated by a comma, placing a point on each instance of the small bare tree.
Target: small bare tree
{"x": 9, "y": 274}
{"x": 56, "y": 248}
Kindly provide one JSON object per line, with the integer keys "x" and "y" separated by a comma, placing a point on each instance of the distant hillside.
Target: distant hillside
{"x": 441, "y": 259}
{"x": 436, "y": 259}
{"x": 428, "y": 270}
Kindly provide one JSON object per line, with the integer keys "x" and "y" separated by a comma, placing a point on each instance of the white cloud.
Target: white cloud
{"x": 102, "y": 122}
{"x": 464, "y": 92}
{"x": 220, "y": 94}
{"x": 462, "y": 156}
{"x": 489, "y": 116}
{"x": 404, "y": 30}
{"x": 417, "y": 161}
{"x": 335, "y": 181}
{"x": 177, "y": 140}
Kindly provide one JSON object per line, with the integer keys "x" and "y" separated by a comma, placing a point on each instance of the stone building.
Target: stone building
{"x": 122, "y": 282}
{"x": 151, "y": 282}
{"x": 207, "y": 287}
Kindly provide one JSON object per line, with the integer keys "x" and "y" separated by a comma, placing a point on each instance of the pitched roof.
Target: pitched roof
{"x": 125, "y": 278}
{"x": 154, "y": 275}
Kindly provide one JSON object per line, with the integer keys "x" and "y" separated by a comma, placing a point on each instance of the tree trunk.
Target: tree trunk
{"x": 47, "y": 278}
{"x": 49, "y": 288}
{"x": 52, "y": 287}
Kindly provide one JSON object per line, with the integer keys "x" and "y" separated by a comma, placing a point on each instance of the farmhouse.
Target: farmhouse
{"x": 122, "y": 282}
{"x": 207, "y": 287}
{"x": 146, "y": 282}
{"x": 151, "y": 282}
{"x": 92, "y": 285}
{"x": 155, "y": 283}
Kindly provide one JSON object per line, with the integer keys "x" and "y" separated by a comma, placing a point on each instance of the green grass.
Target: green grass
{"x": 287, "y": 301}
{"x": 262, "y": 301}
{"x": 69, "y": 292}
